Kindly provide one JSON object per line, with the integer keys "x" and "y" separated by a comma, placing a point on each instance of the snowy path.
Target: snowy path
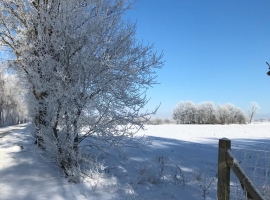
{"x": 23, "y": 173}
{"x": 5, "y": 131}
{"x": 26, "y": 175}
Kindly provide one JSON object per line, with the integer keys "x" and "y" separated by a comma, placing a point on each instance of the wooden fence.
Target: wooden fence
{"x": 226, "y": 162}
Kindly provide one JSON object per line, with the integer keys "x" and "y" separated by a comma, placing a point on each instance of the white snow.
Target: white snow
{"x": 147, "y": 172}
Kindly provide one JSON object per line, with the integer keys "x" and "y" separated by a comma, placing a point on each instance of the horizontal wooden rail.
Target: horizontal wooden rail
{"x": 246, "y": 182}
{"x": 227, "y": 161}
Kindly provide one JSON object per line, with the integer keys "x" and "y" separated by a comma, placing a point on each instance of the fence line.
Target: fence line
{"x": 227, "y": 161}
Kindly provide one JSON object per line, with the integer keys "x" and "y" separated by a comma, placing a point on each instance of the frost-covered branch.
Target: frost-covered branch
{"x": 85, "y": 71}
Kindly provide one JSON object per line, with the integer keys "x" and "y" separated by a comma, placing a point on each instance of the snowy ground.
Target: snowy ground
{"x": 179, "y": 163}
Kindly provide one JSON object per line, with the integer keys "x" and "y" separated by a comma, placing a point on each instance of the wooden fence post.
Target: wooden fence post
{"x": 223, "y": 190}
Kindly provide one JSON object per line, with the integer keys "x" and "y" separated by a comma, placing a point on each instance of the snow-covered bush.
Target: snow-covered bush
{"x": 153, "y": 172}
{"x": 156, "y": 121}
{"x": 86, "y": 72}
{"x": 167, "y": 121}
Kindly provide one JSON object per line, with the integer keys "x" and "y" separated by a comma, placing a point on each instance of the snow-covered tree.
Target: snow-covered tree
{"x": 231, "y": 112}
{"x": 179, "y": 113}
{"x": 240, "y": 117}
{"x": 236, "y": 115}
{"x": 205, "y": 113}
{"x": 86, "y": 72}
{"x": 254, "y": 107}
{"x": 184, "y": 112}
{"x": 222, "y": 114}
{"x": 2, "y": 88}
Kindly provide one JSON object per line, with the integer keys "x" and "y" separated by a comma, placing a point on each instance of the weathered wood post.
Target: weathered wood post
{"x": 223, "y": 190}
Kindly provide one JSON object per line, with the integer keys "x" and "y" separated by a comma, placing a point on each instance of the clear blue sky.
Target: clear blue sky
{"x": 214, "y": 51}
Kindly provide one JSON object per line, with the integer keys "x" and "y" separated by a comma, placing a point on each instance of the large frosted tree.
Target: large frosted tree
{"x": 86, "y": 73}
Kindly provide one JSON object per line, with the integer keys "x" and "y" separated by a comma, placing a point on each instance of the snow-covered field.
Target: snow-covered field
{"x": 180, "y": 162}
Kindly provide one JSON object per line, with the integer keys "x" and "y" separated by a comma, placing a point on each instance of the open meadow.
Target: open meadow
{"x": 175, "y": 162}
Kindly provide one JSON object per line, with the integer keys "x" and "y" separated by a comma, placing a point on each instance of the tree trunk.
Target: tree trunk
{"x": 76, "y": 138}
{"x": 40, "y": 120}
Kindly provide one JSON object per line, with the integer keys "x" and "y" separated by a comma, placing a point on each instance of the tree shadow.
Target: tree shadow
{"x": 164, "y": 169}
{"x": 153, "y": 170}
{"x": 198, "y": 163}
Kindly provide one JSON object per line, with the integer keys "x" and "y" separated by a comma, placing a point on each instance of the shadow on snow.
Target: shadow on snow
{"x": 165, "y": 169}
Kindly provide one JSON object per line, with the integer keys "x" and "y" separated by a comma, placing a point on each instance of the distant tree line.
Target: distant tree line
{"x": 186, "y": 112}
{"x": 159, "y": 121}
{"x": 12, "y": 107}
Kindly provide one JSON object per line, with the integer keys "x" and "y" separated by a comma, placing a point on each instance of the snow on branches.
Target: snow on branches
{"x": 86, "y": 72}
